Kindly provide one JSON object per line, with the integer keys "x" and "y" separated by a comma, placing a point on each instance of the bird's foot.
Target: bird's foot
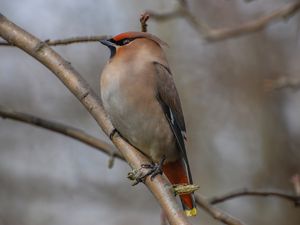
{"x": 182, "y": 189}
{"x": 135, "y": 175}
{"x": 153, "y": 170}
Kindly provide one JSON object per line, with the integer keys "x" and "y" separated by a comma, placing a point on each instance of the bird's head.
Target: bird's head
{"x": 125, "y": 39}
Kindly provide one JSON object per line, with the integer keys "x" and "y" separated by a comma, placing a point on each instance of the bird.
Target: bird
{"x": 139, "y": 96}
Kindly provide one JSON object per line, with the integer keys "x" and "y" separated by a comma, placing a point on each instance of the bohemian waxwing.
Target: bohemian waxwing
{"x": 141, "y": 100}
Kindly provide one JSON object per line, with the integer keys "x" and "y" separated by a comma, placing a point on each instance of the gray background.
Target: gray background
{"x": 239, "y": 135}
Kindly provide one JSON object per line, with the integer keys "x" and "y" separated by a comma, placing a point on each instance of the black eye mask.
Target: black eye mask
{"x": 122, "y": 42}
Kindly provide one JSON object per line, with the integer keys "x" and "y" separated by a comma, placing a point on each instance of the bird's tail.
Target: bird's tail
{"x": 177, "y": 174}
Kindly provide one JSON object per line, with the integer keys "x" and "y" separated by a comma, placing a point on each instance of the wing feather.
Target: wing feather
{"x": 169, "y": 99}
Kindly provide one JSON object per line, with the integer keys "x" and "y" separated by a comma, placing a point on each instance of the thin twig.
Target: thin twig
{"x": 217, "y": 213}
{"x": 212, "y": 34}
{"x": 62, "y": 129}
{"x": 281, "y": 83}
{"x": 143, "y": 21}
{"x": 67, "y": 41}
{"x": 245, "y": 192}
{"x": 159, "y": 186}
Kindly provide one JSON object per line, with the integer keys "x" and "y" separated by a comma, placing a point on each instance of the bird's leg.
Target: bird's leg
{"x": 135, "y": 175}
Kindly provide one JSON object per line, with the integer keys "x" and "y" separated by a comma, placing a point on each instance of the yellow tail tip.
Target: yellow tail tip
{"x": 191, "y": 212}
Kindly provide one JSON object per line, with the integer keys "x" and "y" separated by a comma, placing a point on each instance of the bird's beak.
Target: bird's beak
{"x": 110, "y": 45}
{"x": 107, "y": 43}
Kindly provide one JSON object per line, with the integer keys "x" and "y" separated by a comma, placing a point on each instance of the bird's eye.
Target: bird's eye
{"x": 125, "y": 41}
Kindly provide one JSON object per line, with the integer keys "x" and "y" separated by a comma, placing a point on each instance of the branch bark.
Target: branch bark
{"x": 218, "y": 34}
{"x": 160, "y": 187}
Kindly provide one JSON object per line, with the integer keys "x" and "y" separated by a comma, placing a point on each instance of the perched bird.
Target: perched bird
{"x": 139, "y": 96}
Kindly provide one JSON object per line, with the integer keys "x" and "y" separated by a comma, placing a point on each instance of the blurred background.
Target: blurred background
{"x": 239, "y": 134}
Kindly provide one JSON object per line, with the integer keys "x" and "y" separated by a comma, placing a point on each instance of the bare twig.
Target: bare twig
{"x": 211, "y": 34}
{"x": 62, "y": 129}
{"x": 159, "y": 186}
{"x": 217, "y": 213}
{"x": 245, "y": 192}
{"x": 143, "y": 21}
{"x": 68, "y": 41}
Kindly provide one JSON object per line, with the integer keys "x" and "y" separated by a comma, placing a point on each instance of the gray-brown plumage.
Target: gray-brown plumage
{"x": 140, "y": 98}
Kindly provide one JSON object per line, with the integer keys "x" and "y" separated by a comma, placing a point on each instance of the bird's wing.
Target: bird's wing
{"x": 168, "y": 97}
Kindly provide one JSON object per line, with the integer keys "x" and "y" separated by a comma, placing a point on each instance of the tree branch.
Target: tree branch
{"x": 67, "y": 41}
{"x": 62, "y": 129}
{"x": 245, "y": 192}
{"x": 160, "y": 187}
{"x": 211, "y": 34}
{"x": 217, "y": 213}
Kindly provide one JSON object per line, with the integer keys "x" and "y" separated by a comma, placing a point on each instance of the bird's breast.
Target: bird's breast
{"x": 130, "y": 101}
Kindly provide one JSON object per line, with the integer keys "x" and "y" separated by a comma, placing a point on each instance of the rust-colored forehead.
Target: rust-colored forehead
{"x": 122, "y": 36}
{"x": 134, "y": 34}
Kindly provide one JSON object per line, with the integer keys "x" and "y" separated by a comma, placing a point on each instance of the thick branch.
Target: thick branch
{"x": 217, "y": 213}
{"x": 62, "y": 129}
{"x": 68, "y": 41}
{"x": 211, "y": 34}
{"x": 245, "y": 192}
{"x": 160, "y": 187}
